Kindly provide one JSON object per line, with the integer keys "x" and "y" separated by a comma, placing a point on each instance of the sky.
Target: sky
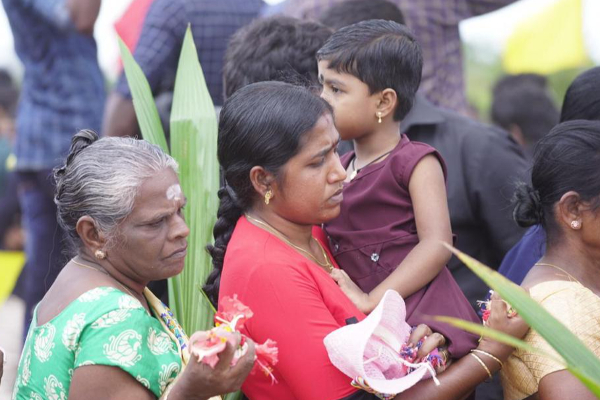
{"x": 487, "y": 33}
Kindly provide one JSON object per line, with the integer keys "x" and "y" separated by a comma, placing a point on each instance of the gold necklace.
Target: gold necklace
{"x": 558, "y": 268}
{"x": 105, "y": 273}
{"x": 281, "y": 236}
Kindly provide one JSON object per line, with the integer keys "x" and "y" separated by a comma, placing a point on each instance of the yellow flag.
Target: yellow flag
{"x": 11, "y": 264}
{"x": 550, "y": 41}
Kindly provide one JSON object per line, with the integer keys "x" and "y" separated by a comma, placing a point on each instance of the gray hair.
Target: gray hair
{"x": 101, "y": 179}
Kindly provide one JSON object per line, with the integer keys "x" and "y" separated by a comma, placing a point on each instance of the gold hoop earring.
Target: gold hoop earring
{"x": 268, "y": 196}
{"x": 100, "y": 255}
{"x": 379, "y": 117}
{"x": 575, "y": 224}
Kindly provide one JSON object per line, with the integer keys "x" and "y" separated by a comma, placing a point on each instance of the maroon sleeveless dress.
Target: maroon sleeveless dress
{"x": 376, "y": 230}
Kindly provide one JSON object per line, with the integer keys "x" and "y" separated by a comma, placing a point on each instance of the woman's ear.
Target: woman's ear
{"x": 569, "y": 209}
{"x": 261, "y": 180}
{"x": 89, "y": 234}
{"x": 387, "y": 102}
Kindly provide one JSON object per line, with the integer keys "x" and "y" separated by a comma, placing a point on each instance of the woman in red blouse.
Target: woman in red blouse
{"x": 277, "y": 147}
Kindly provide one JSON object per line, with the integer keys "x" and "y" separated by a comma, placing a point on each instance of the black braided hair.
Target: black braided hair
{"x": 261, "y": 124}
{"x": 566, "y": 159}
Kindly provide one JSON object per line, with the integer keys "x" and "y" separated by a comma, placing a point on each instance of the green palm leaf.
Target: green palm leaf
{"x": 143, "y": 102}
{"x": 194, "y": 146}
{"x": 579, "y": 360}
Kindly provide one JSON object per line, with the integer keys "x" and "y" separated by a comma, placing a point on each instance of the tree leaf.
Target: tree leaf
{"x": 143, "y": 101}
{"x": 581, "y": 360}
{"x": 194, "y": 146}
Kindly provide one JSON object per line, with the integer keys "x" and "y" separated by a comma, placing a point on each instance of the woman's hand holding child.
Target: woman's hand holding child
{"x": 361, "y": 300}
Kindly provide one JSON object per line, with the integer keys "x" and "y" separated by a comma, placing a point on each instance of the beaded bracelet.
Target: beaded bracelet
{"x": 489, "y": 355}
{"x": 480, "y": 361}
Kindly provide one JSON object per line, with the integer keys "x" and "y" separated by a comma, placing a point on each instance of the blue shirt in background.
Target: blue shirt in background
{"x": 212, "y": 22}
{"x": 63, "y": 87}
{"x": 522, "y": 257}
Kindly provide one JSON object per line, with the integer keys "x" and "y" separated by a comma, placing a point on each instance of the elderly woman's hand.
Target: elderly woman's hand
{"x": 199, "y": 381}
{"x": 501, "y": 320}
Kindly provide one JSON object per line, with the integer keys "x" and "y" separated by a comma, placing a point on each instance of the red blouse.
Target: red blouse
{"x": 296, "y": 303}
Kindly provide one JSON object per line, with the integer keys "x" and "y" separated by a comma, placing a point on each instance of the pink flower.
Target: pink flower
{"x": 233, "y": 312}
{"x": 207, "y": 345}
{"x": 266, "y": 358}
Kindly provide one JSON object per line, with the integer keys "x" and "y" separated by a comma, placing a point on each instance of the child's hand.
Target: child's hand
{"x": 360, "y": 299}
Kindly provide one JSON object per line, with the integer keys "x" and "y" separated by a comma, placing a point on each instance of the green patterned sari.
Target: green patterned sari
{"x": 104, "y": 326}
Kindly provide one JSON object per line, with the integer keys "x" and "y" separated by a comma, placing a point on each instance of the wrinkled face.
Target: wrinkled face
{"x": 354, "y": 107}
{"x": 310, "y": 190}
{"x": 152, "y": 239}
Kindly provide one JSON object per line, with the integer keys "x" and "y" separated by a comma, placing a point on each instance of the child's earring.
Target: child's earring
{"x": 378, "y": 117}
{"x": 268, "y": 196}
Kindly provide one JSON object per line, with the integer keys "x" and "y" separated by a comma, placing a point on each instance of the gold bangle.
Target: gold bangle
{"x": 480, "y": 361}
{"x": 490, "y": 356}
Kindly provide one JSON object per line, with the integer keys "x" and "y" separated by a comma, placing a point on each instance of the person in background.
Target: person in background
{"x": 564, "y": 197}
{"x": 62, "y": 92}
{"x": 158, "y": 48}
{"x": 522, "y": 105}
{"x": 11, "y": 237}
{"x": 2, "y": 362}
{"x": 582, "y": 101}
{"x": 434, "y": 23}
{"x": 277, "y": 48}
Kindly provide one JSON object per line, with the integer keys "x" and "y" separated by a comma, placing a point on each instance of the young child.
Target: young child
{"x": 394, "y": 216}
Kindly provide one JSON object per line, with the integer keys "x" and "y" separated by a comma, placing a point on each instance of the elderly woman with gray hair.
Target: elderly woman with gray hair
{"x": 99, "y": 332}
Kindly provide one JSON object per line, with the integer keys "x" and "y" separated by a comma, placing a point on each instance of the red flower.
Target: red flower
{"x": 486, "y": 315}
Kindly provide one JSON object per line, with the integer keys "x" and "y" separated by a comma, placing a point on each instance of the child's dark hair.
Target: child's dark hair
{"x": 382, "y": 54}
{"x": 566, "y": 159}
{"x": 262, "y": 124}
{"x": 276, "y": 48}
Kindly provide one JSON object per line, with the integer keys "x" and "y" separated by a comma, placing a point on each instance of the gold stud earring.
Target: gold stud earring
{"x": 100, "y": 255}
{"x": 379, "y": 117}
{"x": 575, "y": 224}
{"x": 268, "y": 196}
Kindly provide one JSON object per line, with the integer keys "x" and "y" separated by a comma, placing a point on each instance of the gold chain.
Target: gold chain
{"x": 286, "y": 240}
{"x": 558, "y": 268}
{"x": 105, "y": 273}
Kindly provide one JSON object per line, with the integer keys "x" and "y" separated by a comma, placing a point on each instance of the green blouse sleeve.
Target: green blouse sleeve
{"x": 127, "y": 337}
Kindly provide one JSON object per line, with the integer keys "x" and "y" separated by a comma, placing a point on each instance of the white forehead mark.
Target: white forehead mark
{"x": 174, "y": 192}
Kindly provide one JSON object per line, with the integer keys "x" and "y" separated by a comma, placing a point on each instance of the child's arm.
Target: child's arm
{"x": 428, "y": 195}
{"x": 427, "y": 190}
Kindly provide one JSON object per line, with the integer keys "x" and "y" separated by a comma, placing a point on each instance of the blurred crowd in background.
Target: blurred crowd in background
{"x": 511, "y": 97}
